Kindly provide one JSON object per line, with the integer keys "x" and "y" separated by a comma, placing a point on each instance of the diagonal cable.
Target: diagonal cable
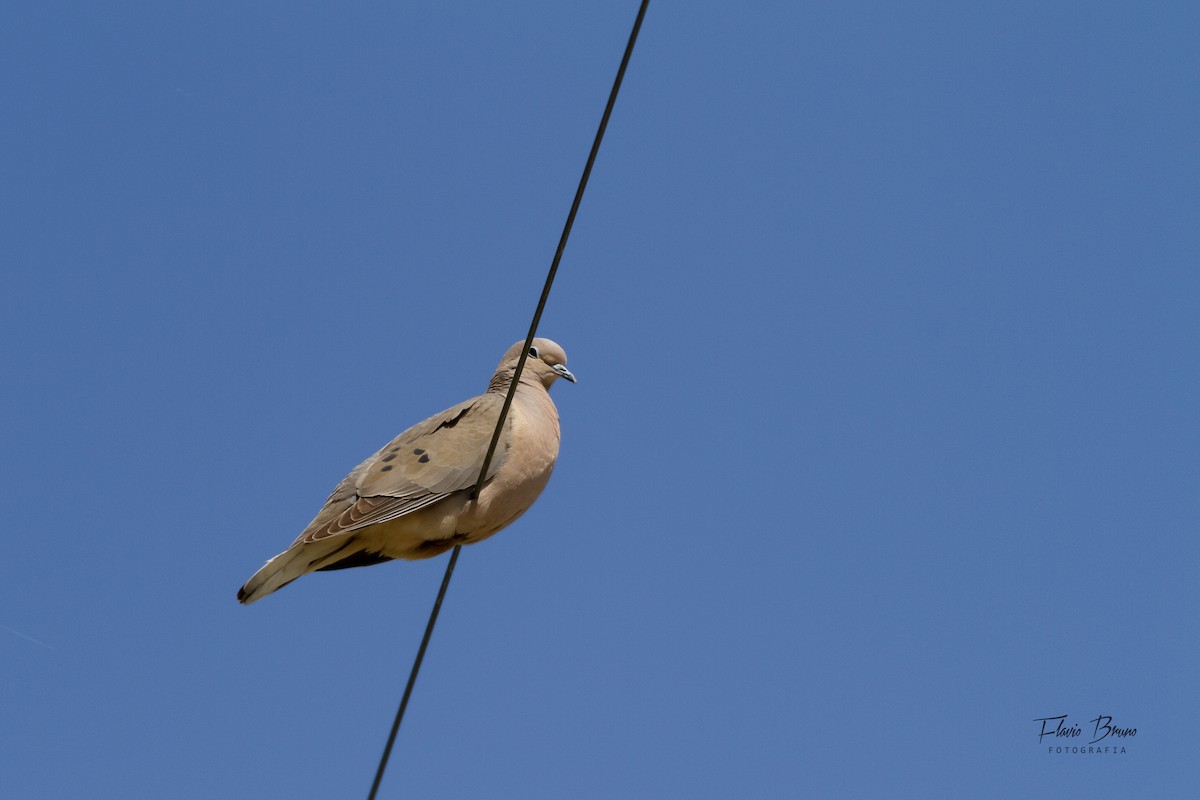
{"x": 562, "y": 244}
{"x": 512, "y": 389}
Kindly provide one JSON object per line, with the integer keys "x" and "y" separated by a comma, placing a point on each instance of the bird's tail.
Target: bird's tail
{"x": 297, "y": 560}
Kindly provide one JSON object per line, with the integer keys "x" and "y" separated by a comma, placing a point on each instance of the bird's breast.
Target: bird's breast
{"x": 532, "y": 449}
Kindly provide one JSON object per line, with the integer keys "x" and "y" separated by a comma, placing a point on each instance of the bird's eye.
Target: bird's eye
{"x": 533, "y": 352}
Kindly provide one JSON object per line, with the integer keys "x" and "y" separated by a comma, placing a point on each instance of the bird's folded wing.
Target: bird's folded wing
{"x": 427, "y": 462}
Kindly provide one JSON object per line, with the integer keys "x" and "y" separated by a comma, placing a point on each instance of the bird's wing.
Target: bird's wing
{"x": 421, "y": 466}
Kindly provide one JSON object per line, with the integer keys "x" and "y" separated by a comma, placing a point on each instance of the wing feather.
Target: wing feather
{"x": 428, "y": 462}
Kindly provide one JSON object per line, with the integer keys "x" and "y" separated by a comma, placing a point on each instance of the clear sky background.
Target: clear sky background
{"x": 885, "y": 441}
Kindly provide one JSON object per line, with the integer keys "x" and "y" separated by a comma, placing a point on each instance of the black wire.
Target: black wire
{"x": 412, "y": 677}
{"x": 512, "y": 389}
{"x": 562, "y": 244}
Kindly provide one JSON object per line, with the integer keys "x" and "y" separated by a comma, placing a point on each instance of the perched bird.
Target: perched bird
{"x": 412, "y": 499}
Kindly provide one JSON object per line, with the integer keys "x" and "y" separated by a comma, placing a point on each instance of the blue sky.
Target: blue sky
{"x": 884, "y": 444}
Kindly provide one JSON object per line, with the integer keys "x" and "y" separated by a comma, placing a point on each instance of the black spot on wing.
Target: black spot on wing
{"x": 450, "y": 423}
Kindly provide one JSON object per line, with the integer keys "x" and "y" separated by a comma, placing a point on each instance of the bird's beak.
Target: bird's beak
{"x": 563, "y": 372}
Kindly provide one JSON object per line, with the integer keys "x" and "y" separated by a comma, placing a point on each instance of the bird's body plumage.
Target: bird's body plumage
{"x": 412, "y": 499}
